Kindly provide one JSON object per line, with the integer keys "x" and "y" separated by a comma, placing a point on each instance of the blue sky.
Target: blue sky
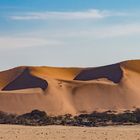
{"x": 68, "y": 32}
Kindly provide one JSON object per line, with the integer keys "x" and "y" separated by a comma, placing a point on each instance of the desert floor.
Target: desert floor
{"x": 13, "y": 132}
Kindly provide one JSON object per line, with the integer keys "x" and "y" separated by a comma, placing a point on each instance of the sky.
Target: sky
{"x": 68, "y": 33}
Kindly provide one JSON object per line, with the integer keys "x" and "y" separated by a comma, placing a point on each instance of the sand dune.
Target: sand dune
{"x": 71, "y": 90}
{"x": 8, "y": 76}
{"x": 111, "y": 72}
{"x": 26, "y": 80}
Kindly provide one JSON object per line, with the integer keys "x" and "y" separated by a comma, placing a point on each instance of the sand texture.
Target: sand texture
{"x": 73, "y": 91}
{"x": 11, "y": 132}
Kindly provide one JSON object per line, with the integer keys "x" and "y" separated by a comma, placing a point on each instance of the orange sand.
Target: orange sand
{"x": 115, "y": 87}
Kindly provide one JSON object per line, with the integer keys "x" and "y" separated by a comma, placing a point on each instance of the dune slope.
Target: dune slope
{"x": 71, "y": 90}
{"x": 26, "y": 80}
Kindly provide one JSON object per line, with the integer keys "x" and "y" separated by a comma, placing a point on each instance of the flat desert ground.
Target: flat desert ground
{"x": 13, "y": 132}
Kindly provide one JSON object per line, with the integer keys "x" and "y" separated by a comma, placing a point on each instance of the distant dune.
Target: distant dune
{"x": 60, "y": 91}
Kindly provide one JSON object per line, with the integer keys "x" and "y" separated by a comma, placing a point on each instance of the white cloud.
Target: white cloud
{"x": 62, "y": 36}
{"x": 110, "y": 31}
{"x": 120, "y": 31}
{"x": 10, "y": 42}
{"x": 89, "y": 14}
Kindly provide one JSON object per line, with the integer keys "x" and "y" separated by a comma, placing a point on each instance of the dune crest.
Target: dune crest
{"x": 60, "y": 91}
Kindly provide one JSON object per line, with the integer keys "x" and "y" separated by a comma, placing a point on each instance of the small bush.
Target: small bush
{"x": 37, "y": 117}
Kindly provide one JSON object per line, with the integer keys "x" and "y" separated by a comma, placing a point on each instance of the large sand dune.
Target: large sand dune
{"x": 71, "y": 90}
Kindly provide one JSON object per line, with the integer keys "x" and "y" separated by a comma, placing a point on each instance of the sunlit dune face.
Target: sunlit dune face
{"x": 133, "y": 65}
{"x": 55, "y": 73}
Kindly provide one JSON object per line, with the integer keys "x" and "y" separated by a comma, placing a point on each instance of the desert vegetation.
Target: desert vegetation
{"x": 40, "y": 118}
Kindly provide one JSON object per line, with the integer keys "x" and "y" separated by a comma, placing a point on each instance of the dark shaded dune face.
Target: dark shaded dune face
{"x": 26, "y": 80}
{"x": 111, "y": 72}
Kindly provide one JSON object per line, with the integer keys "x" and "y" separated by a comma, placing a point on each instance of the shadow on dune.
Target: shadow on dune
{"x": 26, "y": 80}
{"x": 111, "y": 72}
